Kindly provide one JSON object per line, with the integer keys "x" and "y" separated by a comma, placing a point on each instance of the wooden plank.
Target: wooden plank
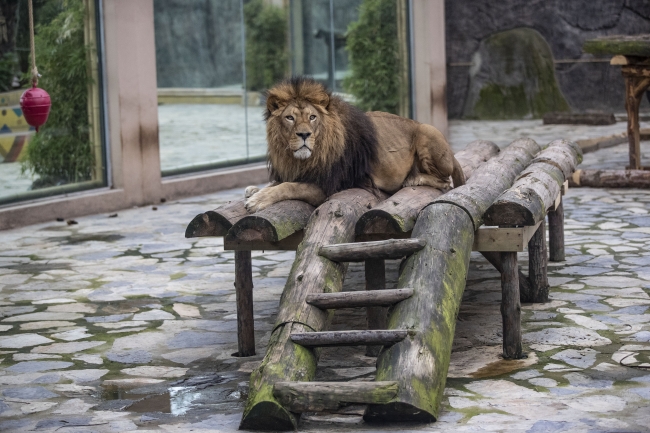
{"x": 565, "y": 186}
{"x": 513, "y": 239}
{"x": 328, "y": 396}
{"x": 349, "y": 338}
{"x": 216, "y": 222}
{"x": 369, "y": 298}
{"x": 360, "y": 251}
{"x": 276, "y": 222}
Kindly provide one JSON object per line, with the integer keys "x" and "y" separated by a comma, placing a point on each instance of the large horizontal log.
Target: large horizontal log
{"x": 579, "y": 119}
{"x": 368, "y": 298}
{"x": 611, "y": 178}
{"x": 349, "y": 338}
{"x": 397, "y": 215}
{"x": 276, "y": 222}
{"x": 491, "y": 179}
{"x": 333, "y": 222}
{"x": 526, "y": 203}
{"x": 216, "y": 222}
{"x": 328, "y": 396}
{"x": 360, "y": 251}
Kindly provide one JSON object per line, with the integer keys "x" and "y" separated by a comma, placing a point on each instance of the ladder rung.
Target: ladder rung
{"x": 349, "y": 338}
{"x": 360, "y": 251}
{"x": 368, "y": 298}
{"x": 324, "y": 396}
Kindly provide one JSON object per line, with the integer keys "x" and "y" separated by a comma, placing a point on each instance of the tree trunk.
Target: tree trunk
{"x": 611, "y": 178}
{"x": 216, "y": 222}
{"x": 332, "y": 223}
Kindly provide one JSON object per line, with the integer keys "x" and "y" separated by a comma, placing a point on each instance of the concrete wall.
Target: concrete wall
{"x": 564, "y": 24}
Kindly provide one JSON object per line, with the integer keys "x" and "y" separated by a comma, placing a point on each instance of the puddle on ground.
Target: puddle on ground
{"x": 191, "y": 393}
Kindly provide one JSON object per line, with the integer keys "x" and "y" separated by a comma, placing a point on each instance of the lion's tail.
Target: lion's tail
{"x": 457, "y": 175}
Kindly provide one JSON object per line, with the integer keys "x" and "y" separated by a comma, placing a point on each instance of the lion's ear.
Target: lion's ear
{"x": 276, "y": 99}
{"x": 321, "y": 99}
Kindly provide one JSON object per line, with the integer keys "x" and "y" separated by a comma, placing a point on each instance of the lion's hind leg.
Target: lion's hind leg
{"x": 423, "y": 179}
{"x": 435, "y": 161}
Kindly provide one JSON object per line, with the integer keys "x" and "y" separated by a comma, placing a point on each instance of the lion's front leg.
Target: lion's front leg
{"x": 265, "y": 197}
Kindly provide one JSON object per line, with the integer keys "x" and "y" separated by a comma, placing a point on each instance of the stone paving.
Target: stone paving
{"x": 119, "y": 324}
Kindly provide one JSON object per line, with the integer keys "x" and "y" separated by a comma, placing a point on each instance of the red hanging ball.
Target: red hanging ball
{"x": 35, "y": 104}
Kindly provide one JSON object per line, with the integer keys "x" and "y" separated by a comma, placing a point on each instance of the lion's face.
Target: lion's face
{"x": 300, "y": 125}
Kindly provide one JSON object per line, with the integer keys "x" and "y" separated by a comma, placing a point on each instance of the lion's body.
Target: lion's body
{"x": 320, "y": 144}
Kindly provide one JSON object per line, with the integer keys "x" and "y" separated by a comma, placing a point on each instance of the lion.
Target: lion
{"x": 318, "y": 145}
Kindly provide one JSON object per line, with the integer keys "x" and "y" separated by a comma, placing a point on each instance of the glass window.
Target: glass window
{"x": 67, "y": 154}
{"x": 358, "y": 48}
{"x": 205, "y": 52}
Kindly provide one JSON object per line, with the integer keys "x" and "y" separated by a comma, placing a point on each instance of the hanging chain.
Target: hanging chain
{"x": 33, "y": 46}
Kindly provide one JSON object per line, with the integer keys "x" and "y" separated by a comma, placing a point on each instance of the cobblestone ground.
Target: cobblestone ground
{"x": 121, "y": 324}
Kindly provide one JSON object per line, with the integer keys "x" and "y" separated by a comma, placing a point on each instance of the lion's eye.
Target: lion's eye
{"x": 312, "y": 117}
{"x": 290, "y": 118}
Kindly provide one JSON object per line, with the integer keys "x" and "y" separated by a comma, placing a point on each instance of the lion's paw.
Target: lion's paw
{"x": 258, "y": 202}
{"x": 249, "y": 191}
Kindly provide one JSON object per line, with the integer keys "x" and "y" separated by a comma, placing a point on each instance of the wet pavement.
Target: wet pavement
{"x": 119, "y": 324}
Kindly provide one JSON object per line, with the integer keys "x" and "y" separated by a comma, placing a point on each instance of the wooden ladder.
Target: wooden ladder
{"x": 329, "y": 396}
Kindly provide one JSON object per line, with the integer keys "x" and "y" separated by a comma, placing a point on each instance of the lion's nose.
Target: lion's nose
{"x": 303, "y": 135}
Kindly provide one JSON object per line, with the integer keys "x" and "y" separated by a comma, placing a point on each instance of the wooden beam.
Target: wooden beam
{"x": 273, "y": 224}
{"x": 360, "y": 251}
{"x": 327, "y": 396}
{"x": 369, "y": 298}
{"x": 513, "y": 239}
{"x": 349, "y": 338}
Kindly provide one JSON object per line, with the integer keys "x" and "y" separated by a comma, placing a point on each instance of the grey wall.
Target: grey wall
{"x": 565, "y": 24}
{"x": 198, "y": 43}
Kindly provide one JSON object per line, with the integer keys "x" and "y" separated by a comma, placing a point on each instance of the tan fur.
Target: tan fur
{"x": 409, "y": 153}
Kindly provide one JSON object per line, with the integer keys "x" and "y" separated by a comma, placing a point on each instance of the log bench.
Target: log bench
{"x": 512, "y": 223}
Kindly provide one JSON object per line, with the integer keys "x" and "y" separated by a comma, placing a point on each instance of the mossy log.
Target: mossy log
{"x": 635, "y": 45}
{"x": 332, "y": 223}
{"x": 396, "y": 216}
{"x": 276, "y": 222}
{"x": 437, "y": 274}
{"x": 611, "y": 178}
{"x": 330, "y": 396}
{"x": 497, "y": 174}
{"x": 369, "y": 298}
{"x": 216, "y": 222}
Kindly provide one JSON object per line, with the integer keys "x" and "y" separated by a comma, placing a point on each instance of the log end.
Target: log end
{"x": 209, "y": 223}
{"x": 378, "y": 221}
{"x": 268, "y": 415}
{"x": 397, "y": 412}
{"x": 508, "y": 213}
{"x": 253, "y": 229}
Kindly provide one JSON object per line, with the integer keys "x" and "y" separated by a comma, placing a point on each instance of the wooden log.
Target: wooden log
{"x": 510, "y": 307}
{"x": 527, "y": 201}
{"x": 376, "y": 316}
{"x": 216, "y": 222}
{"x": 497, "y": 174}
{"x": 329, "y": 396}
{"x": 360, "y": 251}
{"x": 537, "y": 265}
{"x": 333, "y": 222}
{"x": 611, "y": 178}
{"x": 276, "y": 222}
{"x": 244, "y": 300}
{"x": 563, "y": 154}
{"x": 369, "y": 298}
{"x": 525, "y": 288}
{"x": 437, "y": 275}
{"x": 556, "y": 234}
{"x": 396, "y": 216}
{"x": 594, "y": 118}
{"x": 349, "y": 338}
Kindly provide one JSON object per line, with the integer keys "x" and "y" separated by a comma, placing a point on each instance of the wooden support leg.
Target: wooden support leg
{"x": 537, "y": 265}
{"x": 244, "y": 295}
{"x": 636, "y": 83}
{"x": 556, "y": 233}
{"x": 377, "y": 316}
{"x": 510, "y": 307}
{"x": 525, "y": 289}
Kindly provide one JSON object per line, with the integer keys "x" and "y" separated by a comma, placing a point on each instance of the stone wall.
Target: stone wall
{"x": 564, "y": 24}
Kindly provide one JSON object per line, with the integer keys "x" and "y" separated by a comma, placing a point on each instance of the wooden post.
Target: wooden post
{"x": 244, "y": 296}
{"x": 510, "y": 307}
{"x": 537, "y": 264}
{"x": 556, "y": 233}
{"x": 525, "y": 288}
{"x": 377, "y": 317}
{"x": 611, "y": 178}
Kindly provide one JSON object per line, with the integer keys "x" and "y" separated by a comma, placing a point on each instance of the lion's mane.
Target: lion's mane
{"x": 345, "y": 148}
